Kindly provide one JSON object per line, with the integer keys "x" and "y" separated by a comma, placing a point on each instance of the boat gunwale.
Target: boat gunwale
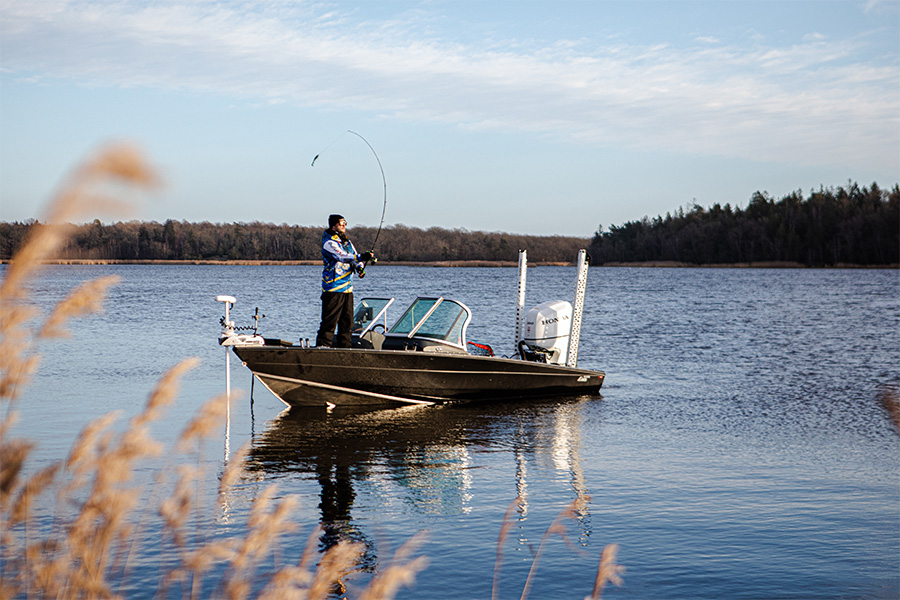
{"x": 561, "y": 369}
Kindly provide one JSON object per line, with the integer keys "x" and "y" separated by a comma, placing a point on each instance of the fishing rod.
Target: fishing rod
{"x": 362, "y": 272}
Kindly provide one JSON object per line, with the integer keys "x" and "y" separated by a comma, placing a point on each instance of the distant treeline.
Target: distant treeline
{"x": 848, "y": 225}
{"x": 180, "y": 240}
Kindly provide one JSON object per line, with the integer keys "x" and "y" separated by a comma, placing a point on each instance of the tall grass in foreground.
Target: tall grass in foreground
{"x": 90, "y": 545}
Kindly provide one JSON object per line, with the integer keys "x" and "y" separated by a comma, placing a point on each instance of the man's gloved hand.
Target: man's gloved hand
{"x": 360, "y": 271}
{"x": 367, "y": 256}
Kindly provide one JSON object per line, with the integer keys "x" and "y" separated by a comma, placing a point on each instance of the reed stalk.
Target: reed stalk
{"x": 94, "y": 536}
{"x": 889, "y": 397}
{"x": 505, "y": 527}
{"x": 607, "y": 571}
{"x": 86, "y": 554}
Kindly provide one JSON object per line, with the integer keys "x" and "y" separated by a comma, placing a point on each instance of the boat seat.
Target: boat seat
{"x": 372, "y": 340}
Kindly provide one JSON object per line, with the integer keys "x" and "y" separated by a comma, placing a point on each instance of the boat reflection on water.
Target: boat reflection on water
{"x": 423, "y": 456}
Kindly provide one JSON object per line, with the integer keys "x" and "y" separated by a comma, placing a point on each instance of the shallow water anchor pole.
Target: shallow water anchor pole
{"x": 520, "y": 304}
{"x": 578, "y": 309}
{"x": 227, "y": 328}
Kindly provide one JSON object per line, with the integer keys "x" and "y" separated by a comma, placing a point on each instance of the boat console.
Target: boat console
{"x": 370, "y": 323}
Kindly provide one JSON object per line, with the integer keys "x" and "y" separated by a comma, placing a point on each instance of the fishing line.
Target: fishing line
{"x": 383, "y": 180}
{"x": 313, "y": 163}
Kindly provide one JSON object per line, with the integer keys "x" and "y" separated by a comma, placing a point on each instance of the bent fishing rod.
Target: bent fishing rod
{"x": 362, "y": 272}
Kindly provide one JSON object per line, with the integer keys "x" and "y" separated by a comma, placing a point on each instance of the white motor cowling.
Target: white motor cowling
{"x": 548, "y": 327}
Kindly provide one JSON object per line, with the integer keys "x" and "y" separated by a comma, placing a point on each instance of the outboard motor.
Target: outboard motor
{"x": 550, "y": 332}
{"x": 548, "y": 327}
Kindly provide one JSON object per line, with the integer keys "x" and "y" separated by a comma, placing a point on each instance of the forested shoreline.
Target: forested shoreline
{"x": 850, "y": 225}
{"x": 266, "y": 242}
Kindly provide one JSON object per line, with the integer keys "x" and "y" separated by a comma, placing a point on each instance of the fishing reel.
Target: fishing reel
{"x": 361, "y": 268}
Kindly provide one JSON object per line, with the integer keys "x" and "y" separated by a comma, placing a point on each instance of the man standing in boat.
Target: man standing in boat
{"x": 341, "y": 260}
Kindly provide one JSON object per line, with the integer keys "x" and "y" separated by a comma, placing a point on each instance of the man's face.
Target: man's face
{"x": 341, "y": 226}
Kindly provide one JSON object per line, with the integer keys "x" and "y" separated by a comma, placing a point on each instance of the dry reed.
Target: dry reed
{"x": 37, "y": 566}
{"x": 400, "y": 572}
{"x": 505, "y": 527}
{"x": 81, "y": 195}
{"x": 87, "y": 553}
{"x": 607, "y": 572}
{"x": 233, "y": 469}
{"x": 889, "y": 397}
{"x": 88, "y": 547}
{"x": 556, "y": 527}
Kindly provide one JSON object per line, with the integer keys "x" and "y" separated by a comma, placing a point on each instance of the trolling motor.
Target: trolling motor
{"x": 230, "y": 335}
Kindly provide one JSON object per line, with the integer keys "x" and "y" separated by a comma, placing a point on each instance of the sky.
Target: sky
{"x": 541, "y": 118}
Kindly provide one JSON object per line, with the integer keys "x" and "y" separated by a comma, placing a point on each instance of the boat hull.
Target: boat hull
{"x": 352, "y": 376}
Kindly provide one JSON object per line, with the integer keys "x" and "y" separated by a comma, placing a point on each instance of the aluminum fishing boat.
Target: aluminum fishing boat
{"x": 424, "y": 357}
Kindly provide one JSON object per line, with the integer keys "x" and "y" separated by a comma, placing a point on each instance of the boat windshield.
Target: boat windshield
{"x": 369, "y": 312}
{"x": 435, "y": 318}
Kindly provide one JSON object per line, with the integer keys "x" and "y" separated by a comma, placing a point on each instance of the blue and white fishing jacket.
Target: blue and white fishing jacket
{"x": 340, "y": 260}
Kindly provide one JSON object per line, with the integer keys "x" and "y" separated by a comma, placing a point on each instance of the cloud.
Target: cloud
{"x": 816, "y": 102}
{"x": 875, "y": 5}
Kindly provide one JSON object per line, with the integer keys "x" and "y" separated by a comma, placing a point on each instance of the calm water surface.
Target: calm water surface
{"x": 739, "y": 449}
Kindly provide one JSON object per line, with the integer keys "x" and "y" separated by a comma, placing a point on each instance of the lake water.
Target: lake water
{"x": 739, "y": 449}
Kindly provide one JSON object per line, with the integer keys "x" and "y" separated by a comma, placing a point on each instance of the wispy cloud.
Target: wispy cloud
{"x": 816, "y": 102}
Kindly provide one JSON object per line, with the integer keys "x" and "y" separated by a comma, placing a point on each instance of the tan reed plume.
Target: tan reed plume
{"x": 400, "y": 572}
{"x": 117, "y": 164}
{"x": 234, "y": 468}
{"x": 607, "y": 572}
{"x": 87, "y": 555}
{"x": 47, "y": 562}
{"x": 81, "y": 195}
{"x": 890, "y": 400}
{"x": 93, "y": 436}
{"x": 86, "y": 299}
{"x": 205, "y": 422}
{"x": 556, "y": 527}
{"x": 266, "y": 523}
{"x": 12, "y": 458}
{"x": 75, "y": 558}
{"x": 177, "y": 507}
{"x": 505, "y": 527}
{"x": 165, "y": 391}
{"x": 336, "y": 563}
